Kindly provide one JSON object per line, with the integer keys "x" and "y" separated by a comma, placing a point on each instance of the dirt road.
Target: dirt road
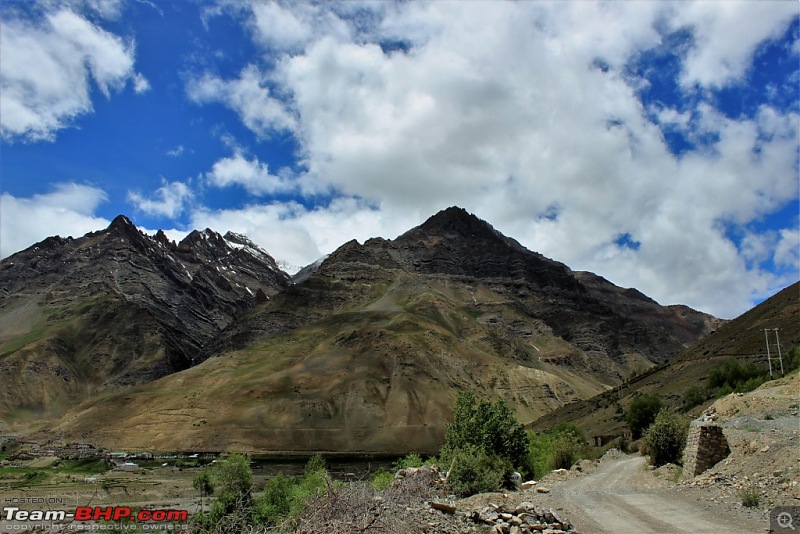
{"x": 617, "y": 498}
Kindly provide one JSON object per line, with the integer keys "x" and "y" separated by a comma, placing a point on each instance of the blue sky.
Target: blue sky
{"x": 655, "y": 144}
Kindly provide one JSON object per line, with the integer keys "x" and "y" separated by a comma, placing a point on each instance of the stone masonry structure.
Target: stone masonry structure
{"x": 705, "y": 446}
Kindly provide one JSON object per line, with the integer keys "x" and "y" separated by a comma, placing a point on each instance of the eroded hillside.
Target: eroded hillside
{"x": 367, "y": 354}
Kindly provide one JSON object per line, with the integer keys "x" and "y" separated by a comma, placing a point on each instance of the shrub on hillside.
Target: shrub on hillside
{"x": 750, "y": 496}
{"x": 566, "y": 451}
{"x": 733, "y": 376}
{"x": 490, "y": 426}
{"x": 382, "y": 479}
{"x": 641, "y": 413}
{"x": 475, "y": 471}
{"x": 409, "y": 460}
{"x": 692, "y": 397}
{"x": 665, "y": 439}
{"x": 792, "y": 360}
{"x": 570, "y": 429}
{"x": 236, "y": 510}
{"x": 483, "y": 444}
{"x": 276, "y": 500}
{"x": 232, "y": 480}
{"x": 559, "y": 448}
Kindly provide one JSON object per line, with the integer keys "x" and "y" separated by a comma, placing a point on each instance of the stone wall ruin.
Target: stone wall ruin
{"x": 705, "y": 446}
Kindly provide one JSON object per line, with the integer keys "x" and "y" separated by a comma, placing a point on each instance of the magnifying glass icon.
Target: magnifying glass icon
{"x": 785, "y": 520}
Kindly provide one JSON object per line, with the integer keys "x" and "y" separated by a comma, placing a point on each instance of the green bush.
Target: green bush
{"x": 233, "y": 474}
{"x": 537, "y": 461}
{"x": 276, "y": 500}
{"x": 750, "y": 496}
{"x": 232, "y": 480}
{"x": 641, "y": 413}
{"x": 235, "y": 507}
{"x": 751, "y": 384}
{"x": 559, "y": 448}
{"x": 665, "y": 439}
{"x": 285, "y": 497}
{"x": 483, "y": 444}
{"x": 692, "y": 397}
{"x": 474, "y": 471}
{"x": 570, "y": 429}
{"x": 792, "y": 360}
{"x": 313, "y": 483}
{"x": 202, "y": 483}
{"x": 724, "y": 390}
{"x": 490, "y": 426}
{"x": 733, "y": 376}
{"x": 410, "y": 460}
{"x": 315, "y": 464}
{"x": 382, "y": 479}
{"x": 565, "y": 451}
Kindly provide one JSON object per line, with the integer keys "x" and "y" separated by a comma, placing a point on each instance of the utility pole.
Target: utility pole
{"x": 778, "y": 342}
{"x": 769, "y": 360}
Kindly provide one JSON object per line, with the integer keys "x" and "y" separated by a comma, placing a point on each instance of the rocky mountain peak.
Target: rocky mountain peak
{"x": 121, "y": 221}
{"x": 165, "y": 241}
{"x": 196, "y": 237}
{"x": 244, "y": 244}
{"x": 123, "y": 227}
{"x": 139, "y": 306}
{"x": 455, "y": 222}
{"x": 452, "y": 304}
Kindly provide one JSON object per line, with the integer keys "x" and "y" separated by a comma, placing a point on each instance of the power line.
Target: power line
{"x": 778, "y": 344}
{"x": 769, "y": 360}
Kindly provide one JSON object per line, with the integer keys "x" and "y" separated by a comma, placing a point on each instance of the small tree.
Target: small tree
{"x": 474, "y": 471}
{"x": 233, "y": 474}
{"x": 642, "y": 412}
{"x": 490, "y": 426}
{"x": 665, "y": 439}
{"x": 232, "y": 479}
{"x": 275, "y": 501}
{"x": 202, "y": 483}
{"x": 484, "y": 443}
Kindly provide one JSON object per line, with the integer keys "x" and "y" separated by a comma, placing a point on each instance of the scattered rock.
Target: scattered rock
{"x": 522, "y": 518}
{"x": 445, "y": 507}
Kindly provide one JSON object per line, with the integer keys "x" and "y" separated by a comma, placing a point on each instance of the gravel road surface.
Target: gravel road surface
{"x": 617, "y": 498}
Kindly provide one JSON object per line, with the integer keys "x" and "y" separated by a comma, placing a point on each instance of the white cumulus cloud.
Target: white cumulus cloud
{"x": 253, "y": 175}
{"x": 140, "y": 84}
{"x": 70, "y": 207}
{"x": 525, "y": 114}
{"x": 48, "y": 67}
{"x": 726, "y": 34}
{"x": 298, "y": 235}
{"x": 169, "y": 200}
{"x": 249, "y": 95}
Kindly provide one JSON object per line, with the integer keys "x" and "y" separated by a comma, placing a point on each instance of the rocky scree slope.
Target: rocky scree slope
{"x": 116, "y": 308}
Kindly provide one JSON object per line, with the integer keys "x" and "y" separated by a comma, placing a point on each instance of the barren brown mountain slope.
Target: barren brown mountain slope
{"x": 367, "y": 354}
{"x": 741, "y": 339}
{"x": 116, "y": 308}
